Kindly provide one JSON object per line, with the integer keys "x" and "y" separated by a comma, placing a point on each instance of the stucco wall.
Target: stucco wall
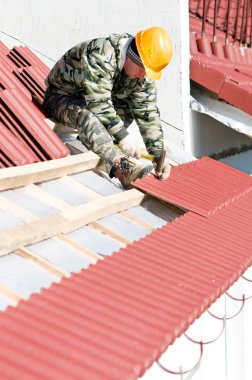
{"x": 53, "y": 26}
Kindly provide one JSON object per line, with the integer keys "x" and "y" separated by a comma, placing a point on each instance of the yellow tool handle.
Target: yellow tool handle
{"x": 143, "y": 154}
{"x": 147, "y": 156}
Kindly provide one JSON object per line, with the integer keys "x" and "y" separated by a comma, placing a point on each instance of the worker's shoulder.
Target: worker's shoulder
{"x": 119, "y": 39}
{"x": 113, "y": 40}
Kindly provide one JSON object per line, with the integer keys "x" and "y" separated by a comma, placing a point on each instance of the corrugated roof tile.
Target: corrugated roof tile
{"x": 14, "y": 152}
{"x": 130, "y": 306}
{"x": 114, "y": 319}
{"x": 202, "y": 186}
{"x": 21, "y": 86}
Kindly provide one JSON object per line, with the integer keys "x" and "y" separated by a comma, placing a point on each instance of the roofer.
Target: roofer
{"x": 100, "y": 86}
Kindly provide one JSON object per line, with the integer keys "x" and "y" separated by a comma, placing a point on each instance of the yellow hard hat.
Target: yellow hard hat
{"x": 155, "y": 49}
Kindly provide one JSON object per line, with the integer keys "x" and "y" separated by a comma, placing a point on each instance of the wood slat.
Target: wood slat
{"x": 42, "y": 263}
{"x": 13, "y": 208}
{"x": 137, "y": 220}
{"x": 44, "y": 196}
{"x": 67, "y": 221}
{"x": 87, "y": 252}
{"x": 109, "y": 232}
{"x": 89, "y": 193}
{"x": 43, "y": 171}
{"x": 10, "y": 294}
{"x": 97, "y": 209}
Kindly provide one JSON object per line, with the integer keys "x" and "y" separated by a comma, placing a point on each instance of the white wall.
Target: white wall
{"x": 53, "y": 26}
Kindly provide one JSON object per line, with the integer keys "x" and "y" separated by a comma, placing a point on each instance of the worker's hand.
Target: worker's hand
{"x": 130, "y": 147}
{"x": 166, "y": 171}
{"x": 162, "y": 167}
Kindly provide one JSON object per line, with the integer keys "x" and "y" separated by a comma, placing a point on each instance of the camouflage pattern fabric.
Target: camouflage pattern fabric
{"x": 73, "y": 112}
{"x": 91, "y": 74}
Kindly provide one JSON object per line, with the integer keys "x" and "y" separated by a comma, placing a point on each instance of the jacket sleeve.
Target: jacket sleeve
{"x": 97, "y": 85}
{"x": 147, "y": 116}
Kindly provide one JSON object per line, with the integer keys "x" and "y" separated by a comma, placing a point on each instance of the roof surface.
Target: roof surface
{"x": 114, "y": 319}
{"x": 25, "y": 136}
{"x": 220, "y": 58}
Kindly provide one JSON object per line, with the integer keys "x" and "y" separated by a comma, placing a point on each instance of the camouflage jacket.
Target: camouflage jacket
{"x": 92, "y": 69}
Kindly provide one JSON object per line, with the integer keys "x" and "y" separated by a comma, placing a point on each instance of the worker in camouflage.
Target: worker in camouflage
{"x": 100, "y": 86}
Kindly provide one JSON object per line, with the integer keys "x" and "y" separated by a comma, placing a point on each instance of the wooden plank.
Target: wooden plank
{"x": 7, "y": 205}
{"x": 44, "y": 196}
{"x": 42, "y": 263}
{"x": 67, "y": 221}
{"x": 14, "y": 177}
{"x": 137, "y": 221}
{"x": 87, "y": 252}
{"x": 97, "y": 209}
{"x": 29, "y": 233}
{"x": 89, "y": 193}
{"x": 11, "y": 294}
{"x": 109, "y": 232}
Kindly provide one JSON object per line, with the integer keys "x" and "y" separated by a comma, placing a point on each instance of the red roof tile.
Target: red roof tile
{"x": 12, "y": 151}
{"x": 113, "y": 320}
{"x": 217, "y": 62}
{"x": 21, "y": 91}
{"x": 202, "y": 186}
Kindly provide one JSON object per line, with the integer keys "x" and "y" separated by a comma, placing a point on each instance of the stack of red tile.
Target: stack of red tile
{"x": 25, "y": 136}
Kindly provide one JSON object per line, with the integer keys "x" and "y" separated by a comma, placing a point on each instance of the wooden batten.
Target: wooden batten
{"x": 68, "y": 221}
{"x": 45, "y": 197}
{"x": 77, "y": 247}
{"x": 13, "y": 208}
{"x": 89, "y": 193}
{"x": 42, "y": 263}
{"x": 11, "y": 294}
{"x": 137, "y": 221}
{"x": 14, "y": 177}
{"x": 91, "y": 211}
{"x": 109, "y": 232}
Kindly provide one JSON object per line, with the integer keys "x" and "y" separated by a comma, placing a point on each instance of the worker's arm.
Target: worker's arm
{"x": 97, "y": 86}
{"x": 146, "y": 113}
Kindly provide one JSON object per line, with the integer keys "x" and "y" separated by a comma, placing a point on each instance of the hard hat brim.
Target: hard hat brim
{"x": 153, "y": 74}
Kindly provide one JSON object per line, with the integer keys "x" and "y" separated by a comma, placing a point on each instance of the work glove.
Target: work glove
{"x": 161, "y": 166}
{"x": 130, "y": 147}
